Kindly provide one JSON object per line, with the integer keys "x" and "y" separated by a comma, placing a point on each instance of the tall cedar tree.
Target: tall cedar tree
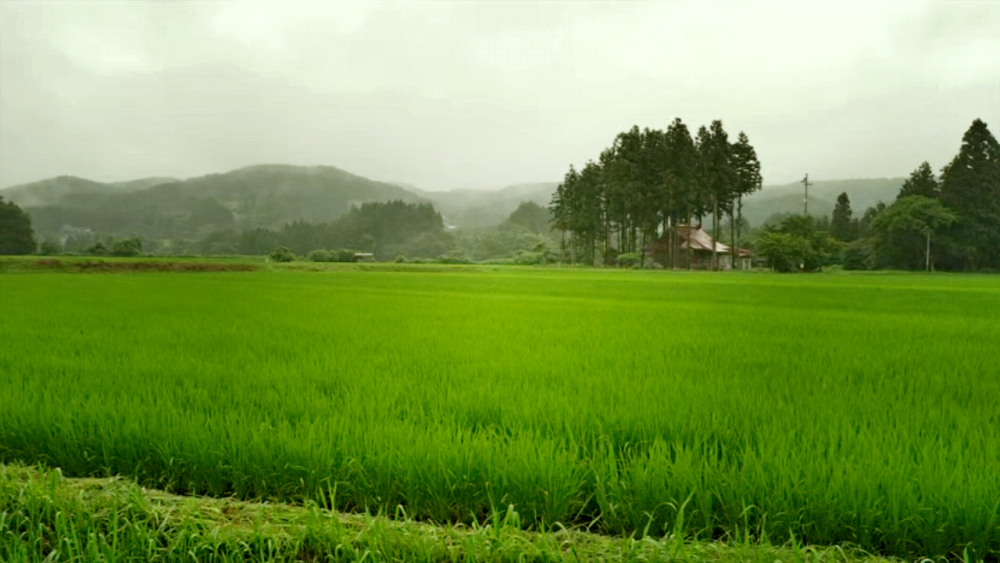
{"x": 970, "y": 185}
{"x": 841, "y": 226}
{"x": 719, "y": 175}
{"x": 921, "y": 182}
{"x": 748, "y": 180}
{"x": 680, "y": 181}
{"x": 16, "y": 234}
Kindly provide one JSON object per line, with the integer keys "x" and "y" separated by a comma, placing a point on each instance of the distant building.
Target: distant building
{"x": 364, "y": 257}
{"x": 691, "y": 242}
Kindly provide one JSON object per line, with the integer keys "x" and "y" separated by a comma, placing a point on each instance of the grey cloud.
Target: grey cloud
{"x": 482, "y": 94}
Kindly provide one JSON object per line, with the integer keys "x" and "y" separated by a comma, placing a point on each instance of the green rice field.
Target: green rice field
{"x": 859, "y": 410}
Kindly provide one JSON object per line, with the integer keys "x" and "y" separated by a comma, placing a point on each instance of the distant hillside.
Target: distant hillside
{"x": 477, "y": 208}
{"x": 272, "y": 195}
{"x": 143, "y": 183}
{"x": 53, "y": 190}
{"x": 787, "y": 198}
{"x": 256, "y": 196}
{"x": 473, "y": 208}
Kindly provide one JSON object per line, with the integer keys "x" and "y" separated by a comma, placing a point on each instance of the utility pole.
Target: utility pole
{"x": 805, "y": 202}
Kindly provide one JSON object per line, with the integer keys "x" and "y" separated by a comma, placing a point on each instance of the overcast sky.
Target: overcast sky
{"x": 449, "y": 94}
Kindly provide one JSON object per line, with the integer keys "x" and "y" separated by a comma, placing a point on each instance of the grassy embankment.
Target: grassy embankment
{"x": 831, "y": 409}
{"x": 47, "y": 517}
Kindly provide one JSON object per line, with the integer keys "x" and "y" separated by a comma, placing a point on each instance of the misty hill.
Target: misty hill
{"x": 143, "y": 183}
{"x": 472, "y": 208}
{"x": 255, "y": 196}
{"x": 787, "y": 198}
{"x": 53, "y": 190}
{"x": 480, "y": 208}
{"x": 272, "y": 195}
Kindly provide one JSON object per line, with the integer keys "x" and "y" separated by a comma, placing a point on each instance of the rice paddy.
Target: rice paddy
{"x": 852, "y": 410}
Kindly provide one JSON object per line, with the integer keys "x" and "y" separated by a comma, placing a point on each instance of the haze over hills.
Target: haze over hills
{"x": 255, "y": 196}
{"x": 465, "y": 208}
{"x": 481, "y": 208}
{"x": 787, "y": 198}
{"x": 49, "y": 191}
{"x": 272, "y": 195}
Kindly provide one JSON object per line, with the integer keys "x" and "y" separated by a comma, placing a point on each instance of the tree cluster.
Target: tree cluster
{"x": 951, "y": 223}
{"x": 647, "y": 182}
{"x": 798, "y": 243}
{"x": 384, "y": 229}
{"x": 16, "y": 234}
{"x": 531, "y": 216}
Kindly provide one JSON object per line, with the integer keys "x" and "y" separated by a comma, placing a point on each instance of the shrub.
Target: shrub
{"x": 629, "y": 260}
{"x": 50, "y": 248}
{"x": 321, "y": 256}
{"x": 400, "y": 259}
{"x": 282, "y": 254}
{"x": 97, "y": 250}
{"x": 454, "y": 257}
{"x": 784, "y": 251}
{"x": 859, "y": 255}
{"x": 528, "y": 258}
{"x": 343, "y": 255}
{"x": 127, "y": 247}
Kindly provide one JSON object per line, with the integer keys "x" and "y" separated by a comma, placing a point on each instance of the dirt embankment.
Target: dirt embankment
{"x": 135, "y": 266}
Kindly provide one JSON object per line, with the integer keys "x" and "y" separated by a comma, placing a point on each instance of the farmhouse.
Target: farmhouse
{"x": 686, "y": 242}
{"x": 364, "y": 257}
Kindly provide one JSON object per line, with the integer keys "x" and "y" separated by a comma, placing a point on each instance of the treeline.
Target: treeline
{"x": 16, "y": 234}
{"x": 390, "y": 231}
{"x": 384, "y": 229}
{"x": 649, "y": 181}
{"x": 951, "y": 222}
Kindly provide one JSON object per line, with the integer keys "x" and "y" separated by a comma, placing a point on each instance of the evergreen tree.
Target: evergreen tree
{"x": 16, "y": 234}
{"x": 921, "y": 182}
{"x": 680, "y": 179}
{"x": 841, "y": 226}
{"x": 970, "y": 185}
{"x": 748, "y": 180}
{"x": 531, "y": 216}
{"x": 719, "y": 175}
{"x": 592, "y": 208}
{"x": 864, "y": 226}
{"x": 559, "y": 207}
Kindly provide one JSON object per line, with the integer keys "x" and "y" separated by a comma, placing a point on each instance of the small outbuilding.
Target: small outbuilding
{"x": 364, "y": 257}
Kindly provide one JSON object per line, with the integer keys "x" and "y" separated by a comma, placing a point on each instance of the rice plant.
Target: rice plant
{"x": 857, "y": 410}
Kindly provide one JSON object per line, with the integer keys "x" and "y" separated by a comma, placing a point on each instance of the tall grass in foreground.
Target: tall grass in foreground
{"x": 858, "y": 410}
{"x": 45, "y": 518}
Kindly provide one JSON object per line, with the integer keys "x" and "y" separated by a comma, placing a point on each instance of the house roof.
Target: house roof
{"x": 695, "y": 238}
